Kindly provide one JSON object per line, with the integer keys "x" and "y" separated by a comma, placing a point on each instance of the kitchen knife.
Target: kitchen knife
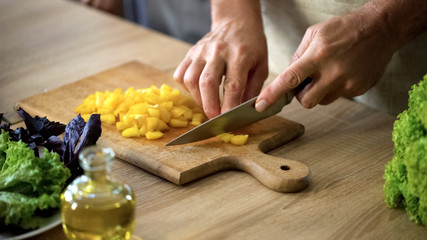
{"x": 235, "y": 118}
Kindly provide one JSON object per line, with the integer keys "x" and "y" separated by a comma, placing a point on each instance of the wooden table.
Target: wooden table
{"x": 48, "y": 43}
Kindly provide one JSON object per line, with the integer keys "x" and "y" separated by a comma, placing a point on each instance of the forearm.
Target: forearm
{"x": 402, "y": 20}
{"x": 233, "y": 10}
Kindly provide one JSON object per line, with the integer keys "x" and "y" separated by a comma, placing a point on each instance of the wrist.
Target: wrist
{"x": 239, "y": 12}
{"x": 401, "y": 21}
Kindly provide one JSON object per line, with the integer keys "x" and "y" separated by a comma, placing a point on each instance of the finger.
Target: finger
{"x": 235, "y": 83}
{"x": 330, "y": 98}
{"x": 179, "y": 73}
{"x": 255, "y": 81}
{"x": 313, "y": 94}
{"x": 333, "y": 94}
{"x": 303, "y": 46}
{"x": 191, "y": 79}
{"x": 286, "y": 81}
{"x": 210, "y": 80}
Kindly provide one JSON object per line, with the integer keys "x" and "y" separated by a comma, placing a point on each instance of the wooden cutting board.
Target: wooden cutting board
{"x": 183, "y": 163}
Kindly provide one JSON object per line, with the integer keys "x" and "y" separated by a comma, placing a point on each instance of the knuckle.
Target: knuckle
{"x": 178, "y": 79}
{"x": 177, "y": 76}
{"x": 218, "y": 46}
{"x": 349, "y": 86}
{"x": 207, "y": 81}
{"x": 233, "y": 86}
{"x": 192, "y": 52}
{"x": 242, "y": 49}
{"x": 323, "y": 52}
{"x": 295, "y": 57}
{"x": 291, "y": 79}
{"x": 352, "y": 89}
{"x": 190, "y": 79}
{"x": 311, "y": 29}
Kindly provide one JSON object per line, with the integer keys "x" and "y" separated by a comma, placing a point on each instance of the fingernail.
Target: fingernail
{"x": 261, "y": 105}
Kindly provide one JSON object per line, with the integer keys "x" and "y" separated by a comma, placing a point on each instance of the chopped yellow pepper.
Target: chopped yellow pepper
{"x": 234, "y": 139}
{"x": 143, "y": 112}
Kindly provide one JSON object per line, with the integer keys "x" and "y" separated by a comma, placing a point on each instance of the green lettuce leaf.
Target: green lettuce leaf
{"x": 28, "y": 183}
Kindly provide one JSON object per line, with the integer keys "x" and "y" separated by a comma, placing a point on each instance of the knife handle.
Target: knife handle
{"x": 298, "y": 89}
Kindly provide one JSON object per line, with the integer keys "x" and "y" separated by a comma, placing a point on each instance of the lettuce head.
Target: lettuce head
{"x": 28, "y": 183}
{"x": 406, "y": 174}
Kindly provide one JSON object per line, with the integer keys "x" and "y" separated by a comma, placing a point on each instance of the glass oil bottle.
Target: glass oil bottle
{"x": 95, "y": 206}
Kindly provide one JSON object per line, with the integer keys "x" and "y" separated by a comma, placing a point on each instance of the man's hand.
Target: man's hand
{"x": 235, "y": 48}
{"x": 347, "y": 55}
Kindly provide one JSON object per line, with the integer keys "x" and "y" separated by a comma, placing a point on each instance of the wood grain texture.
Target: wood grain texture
{"x": 346, "y": 146}
{"x": 184, "y": 163}
{"x": 45, "y": 44}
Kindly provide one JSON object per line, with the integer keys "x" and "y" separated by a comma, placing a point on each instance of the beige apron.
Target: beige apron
{"x": 285, "y": 22}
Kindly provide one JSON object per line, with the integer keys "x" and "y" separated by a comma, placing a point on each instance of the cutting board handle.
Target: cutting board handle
{"x": 279, "y": 174}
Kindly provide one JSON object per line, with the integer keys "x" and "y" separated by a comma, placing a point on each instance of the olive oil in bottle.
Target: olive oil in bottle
{"x": 95, "y": 206}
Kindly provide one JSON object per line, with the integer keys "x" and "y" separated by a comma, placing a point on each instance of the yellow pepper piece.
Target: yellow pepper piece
{"x": 154, "y": 135}
{"x": 239, "y": 139}
{"x": 108, "y": 118}
{"x": 130, "y": 132}
{"x": 165, "y": 115}
{"x": 225, "y": 137}
{"x": 143, "y": 130}
{"x": 162, "y": 125}
{"x": 154, "y": 112}
{"x": 152, "y": 123}
{"x": 121, "y": 126}
{"x": 177, "y": 112}
{"x": 178, "y": 123}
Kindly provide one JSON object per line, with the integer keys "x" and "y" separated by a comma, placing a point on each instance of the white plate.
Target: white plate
{"x": 52, "y": 222}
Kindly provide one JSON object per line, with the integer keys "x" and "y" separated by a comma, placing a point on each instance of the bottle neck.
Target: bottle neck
{"x": 98, "y": 176}
{"x": 96, "y": 162}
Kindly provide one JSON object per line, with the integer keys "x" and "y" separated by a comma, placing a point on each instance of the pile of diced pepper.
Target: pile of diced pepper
{"x": 146, "y": 112}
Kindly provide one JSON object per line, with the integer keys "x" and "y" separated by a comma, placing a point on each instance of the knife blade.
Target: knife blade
{"x": 235, "y": 118}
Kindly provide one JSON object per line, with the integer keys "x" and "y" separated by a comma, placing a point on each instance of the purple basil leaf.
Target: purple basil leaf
{"x": 73, "y": 131}
{"x": 55, "y": 144}
{"x": 42, "y": 126}
{"x": 29, "y": 122}
{"x": 91, "y": 132}
{"x": 52, "y": 129}
{"x": 36, "y": 138}
{"x": 19, "y": 134}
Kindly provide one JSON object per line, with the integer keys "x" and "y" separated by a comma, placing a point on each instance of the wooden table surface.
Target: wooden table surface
{"x": 48, "y": 43}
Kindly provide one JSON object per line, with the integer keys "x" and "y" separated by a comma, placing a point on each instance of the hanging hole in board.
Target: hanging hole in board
{"x": 285, "y": 167}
